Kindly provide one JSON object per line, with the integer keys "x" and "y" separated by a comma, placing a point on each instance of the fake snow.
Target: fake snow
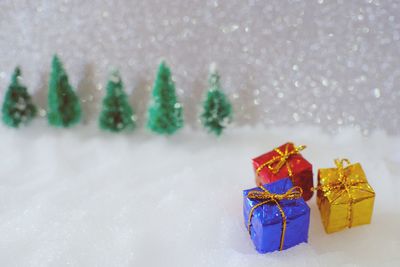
{"x": 80, "y": 197}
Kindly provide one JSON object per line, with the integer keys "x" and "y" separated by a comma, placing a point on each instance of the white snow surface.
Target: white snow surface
{"x": 79, "y": 197}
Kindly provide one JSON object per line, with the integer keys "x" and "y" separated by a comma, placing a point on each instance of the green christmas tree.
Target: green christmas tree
{"x": 17, "y": 107}
{"x": 165, "y": 112}
{"x": 64, "y": 107}
{"x": 217, "y": 110}
{"x": 117, "y": 114}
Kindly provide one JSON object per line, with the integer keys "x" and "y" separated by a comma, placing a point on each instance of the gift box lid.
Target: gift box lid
{"x": 358, "y": 185}
{"x": 269, "y": 213}
{"x": 297, "y": 162}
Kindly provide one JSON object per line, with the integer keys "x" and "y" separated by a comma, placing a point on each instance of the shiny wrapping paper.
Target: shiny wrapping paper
{"x": 301, "y": 170}
{"x": 267, "y": 223}
{"x": 344, "y": 197}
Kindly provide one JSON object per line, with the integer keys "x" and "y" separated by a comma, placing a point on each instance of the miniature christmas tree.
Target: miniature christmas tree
{"x": 217, "y": 110}
{"x": 64, "y": 107}
{"x": 165, "y": 112}
{"x": 117, "y": 114}
{"x": 17, "y": 107}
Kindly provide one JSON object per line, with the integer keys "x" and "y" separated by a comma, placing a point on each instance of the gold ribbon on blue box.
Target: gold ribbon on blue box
{"x": 344, "y": 197}
{"x": 276, "y": 216}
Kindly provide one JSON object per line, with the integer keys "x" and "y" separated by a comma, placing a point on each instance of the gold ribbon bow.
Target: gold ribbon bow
{"x": 265, "y": 197}
{"x": 344, "y": 185}
{"x": 277, "y": 162}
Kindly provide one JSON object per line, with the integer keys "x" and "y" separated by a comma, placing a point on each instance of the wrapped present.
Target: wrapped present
{"x": 344, "y": 197}
{"x": 276, "y": 216}
{"x": 285, "y": 161}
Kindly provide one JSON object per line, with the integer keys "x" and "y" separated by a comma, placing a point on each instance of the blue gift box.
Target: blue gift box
{"x": 266, "y": 226}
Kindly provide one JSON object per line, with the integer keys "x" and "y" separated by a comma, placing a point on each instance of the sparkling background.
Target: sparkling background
{"x": 327, "y": 63}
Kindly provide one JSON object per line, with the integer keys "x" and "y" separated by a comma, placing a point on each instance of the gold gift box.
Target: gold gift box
{"x": 344, "y": 197}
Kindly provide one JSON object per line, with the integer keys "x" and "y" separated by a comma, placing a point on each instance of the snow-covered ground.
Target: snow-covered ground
{"x": 80, "y": 197}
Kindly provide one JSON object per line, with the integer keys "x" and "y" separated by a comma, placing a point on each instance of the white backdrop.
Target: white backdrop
{"x": 328, "y": 63}
{"x": 295, "y": 71}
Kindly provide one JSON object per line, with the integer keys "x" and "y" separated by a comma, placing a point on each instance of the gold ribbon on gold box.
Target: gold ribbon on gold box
{"x": 344, "y": 197}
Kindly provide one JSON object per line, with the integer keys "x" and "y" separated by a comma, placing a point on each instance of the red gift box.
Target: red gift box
{"x": 285, "y": 161}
